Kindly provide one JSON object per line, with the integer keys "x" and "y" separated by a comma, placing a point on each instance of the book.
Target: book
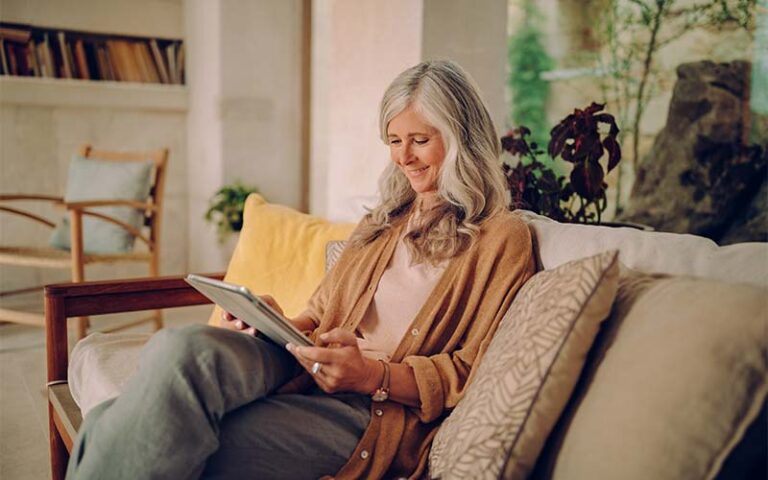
{"x": 15, "y": 34}
{"x": 147, "y": 64}
{"x": 50, "y": 64}
{"x": 105, "y": 71}
{"x": 32, "y": 59}
{"x": 180, "y": 64}
{"x": 159, "y": 61}
{"x": 66, "y": 60}
{"x": 81, "y": 61}
{"x": 3, "y": 59}
{"x": 170, "y": 52}
{"x": 42, "y": 60}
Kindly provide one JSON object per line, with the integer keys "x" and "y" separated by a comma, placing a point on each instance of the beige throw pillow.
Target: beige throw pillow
{"x": 674, "y": 380}
{"x": 528, "y": 372}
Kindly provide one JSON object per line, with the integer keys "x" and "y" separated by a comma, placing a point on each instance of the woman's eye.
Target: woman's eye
{"x": 420, "y": 141}
{"x": 394, "y": 141}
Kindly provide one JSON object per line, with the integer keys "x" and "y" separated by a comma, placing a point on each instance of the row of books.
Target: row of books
{"x": 38, "y": 52}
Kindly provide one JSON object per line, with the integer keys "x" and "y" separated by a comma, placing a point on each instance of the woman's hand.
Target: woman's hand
{"x": 343, "y": 368}
{"x": 231, "y": 322}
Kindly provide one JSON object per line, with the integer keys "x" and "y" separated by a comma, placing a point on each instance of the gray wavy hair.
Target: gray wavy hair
{"x": 471, "y": 184}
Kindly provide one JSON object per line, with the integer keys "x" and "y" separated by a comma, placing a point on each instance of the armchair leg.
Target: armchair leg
{"x": 59, "y": 454}
{"x": 158, "y": 319}
{"x": 83, "y": 323}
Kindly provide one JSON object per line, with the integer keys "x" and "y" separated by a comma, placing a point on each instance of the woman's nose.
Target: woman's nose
{"x": 406, "y": 155}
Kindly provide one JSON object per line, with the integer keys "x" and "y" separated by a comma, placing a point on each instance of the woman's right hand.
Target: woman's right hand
{"x": 231, "y": 322}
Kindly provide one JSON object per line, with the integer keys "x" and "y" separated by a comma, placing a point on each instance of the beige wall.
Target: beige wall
{"x": 245, "y": 109}
{"x": 358, "y": 49}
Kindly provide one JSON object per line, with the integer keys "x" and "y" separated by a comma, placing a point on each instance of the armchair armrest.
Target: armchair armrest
{"x": 21, "y": 196}
{"x": 109, "y": 203}
{"x": 68, "y": 300}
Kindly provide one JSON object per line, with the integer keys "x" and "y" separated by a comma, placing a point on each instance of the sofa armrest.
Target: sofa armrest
{"x": 66, "y": 300}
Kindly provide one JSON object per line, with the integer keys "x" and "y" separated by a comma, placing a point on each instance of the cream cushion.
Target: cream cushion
{"x": 672, "y": 253}
{"x": 100, "y": 365}
{"x": 527, "y": 375}
{"x": 671, "y": 386}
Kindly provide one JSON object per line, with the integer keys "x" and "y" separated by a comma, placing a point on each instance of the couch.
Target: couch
{"x": 629, "y": 355}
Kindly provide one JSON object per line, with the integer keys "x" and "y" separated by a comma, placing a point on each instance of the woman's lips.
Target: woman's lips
{"x": 417, "y": 172}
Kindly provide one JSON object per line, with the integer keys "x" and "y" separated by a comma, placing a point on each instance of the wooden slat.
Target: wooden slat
{"x": 23, "y": 196}
{"x": 29, "y": 215}
{"x": 55, "y": 258}
{"x": 25, "y": 318}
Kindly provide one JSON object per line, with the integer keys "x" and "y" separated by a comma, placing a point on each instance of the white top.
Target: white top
{"x": 402, "y": 291}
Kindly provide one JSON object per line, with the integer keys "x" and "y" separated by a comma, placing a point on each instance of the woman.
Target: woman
{"x": 400, "y": 324}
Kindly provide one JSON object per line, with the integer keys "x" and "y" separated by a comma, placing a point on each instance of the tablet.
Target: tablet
{"x": 252, "y": 310}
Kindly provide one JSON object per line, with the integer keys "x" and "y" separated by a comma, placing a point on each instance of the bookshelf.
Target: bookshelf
{"x": 52, "y": 53}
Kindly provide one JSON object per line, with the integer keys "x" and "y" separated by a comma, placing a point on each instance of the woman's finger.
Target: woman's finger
{"x": 319, "y": 354}
{"x": 269, "y": 300}
{"x": 339, "y": 336}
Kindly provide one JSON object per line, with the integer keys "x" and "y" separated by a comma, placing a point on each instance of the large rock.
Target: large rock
{"x": 699, "y": 176}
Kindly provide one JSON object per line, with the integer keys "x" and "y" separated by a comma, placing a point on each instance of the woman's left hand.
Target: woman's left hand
{"x": 343, "y": 368}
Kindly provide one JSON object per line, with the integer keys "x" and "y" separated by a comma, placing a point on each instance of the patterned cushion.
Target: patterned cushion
{"x": 528, "y": 372}
{"x": 333, "y": 251}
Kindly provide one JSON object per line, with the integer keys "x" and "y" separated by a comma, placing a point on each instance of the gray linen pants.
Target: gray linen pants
{"x": 200, "y": 405}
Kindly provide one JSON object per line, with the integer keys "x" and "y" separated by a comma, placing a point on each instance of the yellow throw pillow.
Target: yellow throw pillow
{"x": 281, "y": 252}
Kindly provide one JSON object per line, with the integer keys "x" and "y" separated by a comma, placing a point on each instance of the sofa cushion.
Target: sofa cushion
{"x": 527, "y": 375}
{"x": 674, "y": 380}
{"x": 673, "y": 253}
{"x": 100, "y": 365}
{"x": 281, "y": 252}
{"x": 94, "y": 179}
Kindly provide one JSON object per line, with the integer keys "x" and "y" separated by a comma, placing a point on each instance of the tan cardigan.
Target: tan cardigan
{"x": 443, "y": 344}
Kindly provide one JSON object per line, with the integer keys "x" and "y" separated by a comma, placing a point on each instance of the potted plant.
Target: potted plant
{"x": 577, "y": 139}
{"x": 226, "y": 209}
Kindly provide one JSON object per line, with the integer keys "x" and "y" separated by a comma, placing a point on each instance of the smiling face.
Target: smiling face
{"x": 417, "y": 149}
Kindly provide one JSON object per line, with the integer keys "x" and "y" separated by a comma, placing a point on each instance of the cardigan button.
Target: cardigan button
{"x": 364, "y": 454}
{"x": 415, "y": 332}
{"x": 378, "y": 412}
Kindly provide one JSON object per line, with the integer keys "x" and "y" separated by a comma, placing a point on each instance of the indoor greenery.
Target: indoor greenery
{"x": 578, "y": 140}
{"x": 225, "y": 209}
{"x": 527, "y": 60}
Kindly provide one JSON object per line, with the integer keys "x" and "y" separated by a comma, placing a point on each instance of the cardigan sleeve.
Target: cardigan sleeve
{"x": 442, "y": 378}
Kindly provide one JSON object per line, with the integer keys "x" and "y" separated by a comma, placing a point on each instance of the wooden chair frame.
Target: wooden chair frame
{"x": 152, "y": 209}
{"x": 73, "y": 300}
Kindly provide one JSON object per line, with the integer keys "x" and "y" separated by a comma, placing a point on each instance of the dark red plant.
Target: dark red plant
{"x": 576, "y": 139}
{"x": 532, "y": 185}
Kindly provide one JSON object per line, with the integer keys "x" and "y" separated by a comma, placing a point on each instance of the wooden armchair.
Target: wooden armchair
{"x": 76, "y": 259}
{"x": 70, "y": 300}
